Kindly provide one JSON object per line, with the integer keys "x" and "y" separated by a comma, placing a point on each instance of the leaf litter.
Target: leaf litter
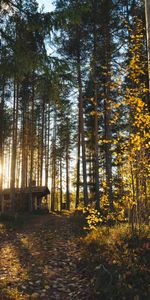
{"x": 40, "y": 262}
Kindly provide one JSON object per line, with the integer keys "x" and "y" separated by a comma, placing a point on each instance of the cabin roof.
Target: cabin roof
{"x": 36, "y": 190}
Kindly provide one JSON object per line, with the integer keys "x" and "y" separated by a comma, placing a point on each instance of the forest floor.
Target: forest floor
{"x": 52, "y": 257}
{"x": 41, "y": 260}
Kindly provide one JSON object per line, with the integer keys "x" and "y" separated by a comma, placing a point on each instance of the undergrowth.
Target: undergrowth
{"x": 78, "y": 221}
{"x": 118, "y": 262}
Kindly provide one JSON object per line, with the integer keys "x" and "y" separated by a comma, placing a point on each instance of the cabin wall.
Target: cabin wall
{"x": 22, "y": 204}
{"x": 23, "y": 201}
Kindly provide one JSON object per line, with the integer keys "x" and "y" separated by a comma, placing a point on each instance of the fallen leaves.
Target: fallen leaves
{"x": 40, "y": 263}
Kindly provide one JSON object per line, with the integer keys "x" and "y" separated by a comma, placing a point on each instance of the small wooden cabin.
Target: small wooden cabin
{"x": 25, "y": 199}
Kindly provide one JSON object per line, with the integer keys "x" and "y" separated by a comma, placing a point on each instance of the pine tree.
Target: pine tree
{"x": 72, "y": 41}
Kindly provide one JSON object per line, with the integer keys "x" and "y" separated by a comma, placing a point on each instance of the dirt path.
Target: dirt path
{"x": 41, "y": 262}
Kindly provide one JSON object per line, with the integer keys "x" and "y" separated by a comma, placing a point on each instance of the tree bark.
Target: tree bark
{"x": 81, "y": 131}
{"x": 107, "y": 118}
{"x": 47, "y": 145}
{"x": 42, "y": 142}
{"x": 31, "y": 148}
{"x": 147, "y": 16}
{"x": 108, "y": 155}
{"x": 1, "y": 145}
{"x": 53, "y": 189}
{"x": 25, "y": 104}
{"x": 67, "y": 180}
{"x": 14, "y": 144}
{"x": 61, "y": 189}
{"x": 96, "y": 156}
{"x": 78, "y": 166}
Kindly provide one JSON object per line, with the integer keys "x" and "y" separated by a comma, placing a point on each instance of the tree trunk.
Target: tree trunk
{"x": 147, "y": 15}
{"x": 24, "y": 138}
{"x": 14, "y": 144}
{"x": 31, "y": 149}
{"x": 39, "y": 148}
{"x": 78, "y": 166}
{"x": 61, "y": 189}
{"x": 42, "y": 142}
{"x": 47, "y": 145}
{"x": 107, "y": 118}
{"x": 81, "y": 132}
{"x": 1, "y": 145}
{"x": 53, "y": 189}
{"x": 108, "y": 154}
{"x": 96, "y": 157}
{"x": 67, "y": 180}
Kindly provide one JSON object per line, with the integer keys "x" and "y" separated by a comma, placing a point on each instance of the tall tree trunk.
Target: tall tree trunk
{"x": 61, "y": 188}
{"x": 53, "y": 189}
{"x": 39, "y": 148}
{"x": 78, "y": 165}
{"x": 14, "y": 144}
{"x": 1, "y": 144}
{"x": 81, "y": 131}
{"x": 108, "y": 155}
{"x": 47, "y": 143}
{"x": 31, "y": 148}
{"x": 147, "y": 15}
{"x": 67, "y": 180}
{"x": 96, "y": 156}
{"x": 24, "y": 144}
{"x": 107, "y": 118}
{"x": 42, "y": 141}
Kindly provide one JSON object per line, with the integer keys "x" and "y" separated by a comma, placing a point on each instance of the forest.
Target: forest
{"x": 74, "y": 150}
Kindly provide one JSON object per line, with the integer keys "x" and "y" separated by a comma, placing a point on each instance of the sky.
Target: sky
{"x": 48, "y": 6}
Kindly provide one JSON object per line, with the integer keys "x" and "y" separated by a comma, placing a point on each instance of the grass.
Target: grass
{"x": 118, "y": 262}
